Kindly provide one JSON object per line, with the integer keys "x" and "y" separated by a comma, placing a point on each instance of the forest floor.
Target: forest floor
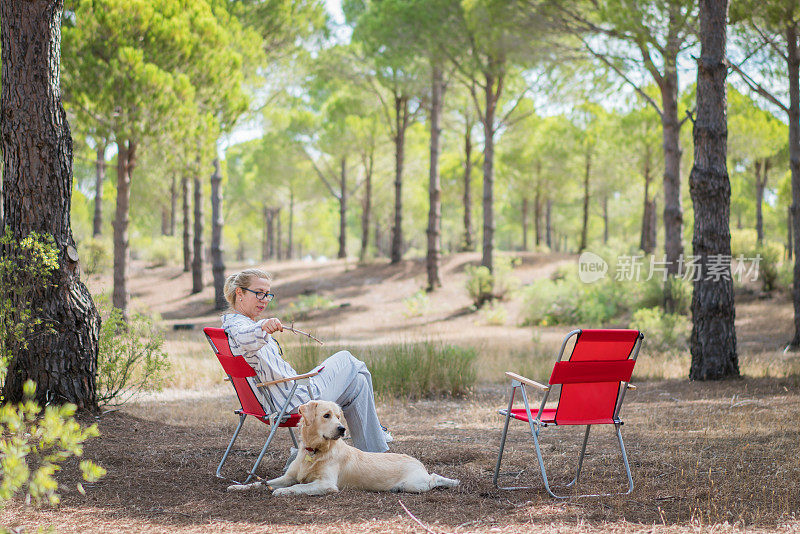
{"x": 706, "y": 457}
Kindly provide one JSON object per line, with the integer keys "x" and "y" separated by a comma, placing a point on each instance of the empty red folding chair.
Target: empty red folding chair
{"x": 592, "y": 381}
{"x": 238, "y": 371}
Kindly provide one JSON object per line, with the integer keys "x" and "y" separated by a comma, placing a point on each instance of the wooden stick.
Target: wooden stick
{"x": 420, "y": 523}
{"x": 296, "y": 331}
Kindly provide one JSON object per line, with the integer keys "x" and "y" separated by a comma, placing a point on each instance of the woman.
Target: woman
{"x": 344, "y": 380}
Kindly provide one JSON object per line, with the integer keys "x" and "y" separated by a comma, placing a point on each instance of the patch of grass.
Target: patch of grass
{"x": 302, "y": 307}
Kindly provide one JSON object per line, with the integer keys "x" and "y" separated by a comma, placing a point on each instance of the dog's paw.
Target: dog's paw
{"x": 282, "y": 491}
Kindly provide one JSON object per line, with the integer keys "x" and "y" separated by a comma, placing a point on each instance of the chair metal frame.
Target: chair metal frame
{"x": 536, "y": 423}
{"x": 238, "y": 371}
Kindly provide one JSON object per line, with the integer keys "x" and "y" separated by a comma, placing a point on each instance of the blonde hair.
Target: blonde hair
{"x": 242, "y": 279}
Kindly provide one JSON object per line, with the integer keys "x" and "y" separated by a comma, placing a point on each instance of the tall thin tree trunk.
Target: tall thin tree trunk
{"x": 761, "y": 183}
{"x": 187, "y": 225}
{"x": 605, "y": 219}
{"x": 789, "y": 242}
{"x": 648, "y": 212}
{"x": 673, "y": 211}
{"x": 197, "y": 259}
{"x": 537, "y": 206}
{"x": 490, "y": 101}
{"x": 265, "y": 234}
{"x": 100, "y": 177}
{"x": 586, "y": 175}
{"x": 126, "y": 161}
{"x": 401, "y": 123}
{"x": 290, "y": 244}
{"x": 468, "y": 243}
{"x": 37, "y": 165}
{"x": 713, "y": 339}
{"x": 343, "y": 210}
{"x": 173, "y": 204}
{"x": 434, "y": 183}
{"x": 366, "y": 206}
{"x": 379, "y": 249}
{"x": 278, "y": 235}
{"x": 217, "y": 261}
{"x": 164, "y": 220}
{"x": 524, "y": 216}
{"x": 548, "y": 223}
{"x": 793, "y": 64}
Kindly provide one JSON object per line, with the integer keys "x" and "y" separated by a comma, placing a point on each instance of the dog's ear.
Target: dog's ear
{"x": 306, "y": 412}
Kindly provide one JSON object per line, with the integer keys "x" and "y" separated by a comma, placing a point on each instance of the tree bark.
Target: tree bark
{"x": 673, "y": 211}
{"x": 290, "y": 244}
{"x": 173, "y": 204}
{"x": 343, "y": 210}
{"x": 434, "y": 183}
{"x": 647, "y": 244}
{"x": 197, "y": 252}
{"x": 401, "y": 124}
{"x": 366, "y": 205}
{"x": 217, "y": 261}
{"x": 100, "y": 177}
{"x": 713, "y": 339}
{"x": 126, "y": 161}
{"x": 789, "y": 233}
{"x": 547, "y": 223}
{"x": 278, "y": 234}
{"x": 37, "y": 164}
{"x": 187, "y": 225}
{"x": 524, "y": 216}
{"x": 469, "y": 242}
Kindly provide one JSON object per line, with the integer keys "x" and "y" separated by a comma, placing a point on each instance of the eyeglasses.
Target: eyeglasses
{"x": 261, "y": 295}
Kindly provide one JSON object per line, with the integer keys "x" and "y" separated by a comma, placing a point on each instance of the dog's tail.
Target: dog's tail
{"x": 243, "y": 487}
{"x": 438, "y": 481}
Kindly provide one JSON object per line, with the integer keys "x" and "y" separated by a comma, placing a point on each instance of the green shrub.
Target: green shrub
{"x": 681, "y": 290}
{"x": 785, "y": 275}
{"x": 494, "y": 314}
{"x": 769, "y": 263}
{"x": 162, "y": 250}
{"x": 34, "y": 441}
{"x": 96, "y": 255}
{"x": 483, "y": 286}
{"x": 663, "y": 332}
{"x": 131, "y": 357}
{"x": 417, "y": 304}
{"x": 743, "y": 242}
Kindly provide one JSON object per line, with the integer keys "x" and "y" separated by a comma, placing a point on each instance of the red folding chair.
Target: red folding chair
{"x": 238, "y": 370}
{"x": 592, "y": 384}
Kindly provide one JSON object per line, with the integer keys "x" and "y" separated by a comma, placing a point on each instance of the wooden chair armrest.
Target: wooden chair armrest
{"x": 290, "y": 378}
{"x": 631, "y": 386}
{"x": 527, "y": 381}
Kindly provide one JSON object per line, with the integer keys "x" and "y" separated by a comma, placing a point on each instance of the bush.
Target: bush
{"x": 743, "y": 242}
{"x": 494, "y": 314}
{"x": 162, "y": 250}
{"x": 769, "y": 264}
{"x": 417, "y": 304}
{"x": 130, "y": 359}
{"x": 663, "y": 332}
{"x": 483, "y": 286}
{"x": 96, "y": 255}
{"x": 34, "y": 442}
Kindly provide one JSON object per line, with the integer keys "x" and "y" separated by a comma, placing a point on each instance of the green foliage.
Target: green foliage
{"x": 131, "y": 357}
{"x": 663, "y": 332}
{"x": 743, "y": 242}
{"x": 25, "y": 268}
{"x": 769, "y": 264}
{"x": 483, "y": 286}
{"x": 35, "y": 442}
{"x": 414, "y": 370}
{"x": 494, "y": 314}
{"x": 162, "y": 250}
{"x": 96, "y": 255}
{"x": 417, "y": 304}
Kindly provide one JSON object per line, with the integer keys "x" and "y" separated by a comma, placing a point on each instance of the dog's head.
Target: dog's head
{"x": 321, "y": 423}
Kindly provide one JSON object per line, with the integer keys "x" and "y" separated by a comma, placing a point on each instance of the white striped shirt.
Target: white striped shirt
{"x": 247, "y": 339}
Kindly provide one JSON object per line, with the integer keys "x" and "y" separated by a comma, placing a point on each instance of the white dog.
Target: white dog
{"x": 324, "y": 463}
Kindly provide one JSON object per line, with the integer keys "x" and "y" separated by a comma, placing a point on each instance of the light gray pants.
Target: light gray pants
{"x": 346, "y": 381}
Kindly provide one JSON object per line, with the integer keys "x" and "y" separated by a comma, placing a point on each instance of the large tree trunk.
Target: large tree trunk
{"x": 468, "y": 243}
{"x": 491, "y": 98}
{"x": 647, "y": 244}
{"x": 100, "y": 177}
{"x": 401, "y": 124}
{"x": 217, "y": 262}
{"x": 343, "y": 210}
{"x": 366, "y": 206}
{"x": 197, "y": 252}
{"x": 713, "y": 340}
{"x": 761, "y": 183}
{"x": 126, "y": 161}
{"x": 586, "y": 175}
{"x": 434, "y": 184}
{"x": 187, "y": 225}
{"x": 793, "y": 64}
{"x": 37, "y": 160}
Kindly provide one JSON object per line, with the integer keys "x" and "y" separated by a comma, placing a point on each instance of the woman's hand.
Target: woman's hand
{"x": 272, "y": 325}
